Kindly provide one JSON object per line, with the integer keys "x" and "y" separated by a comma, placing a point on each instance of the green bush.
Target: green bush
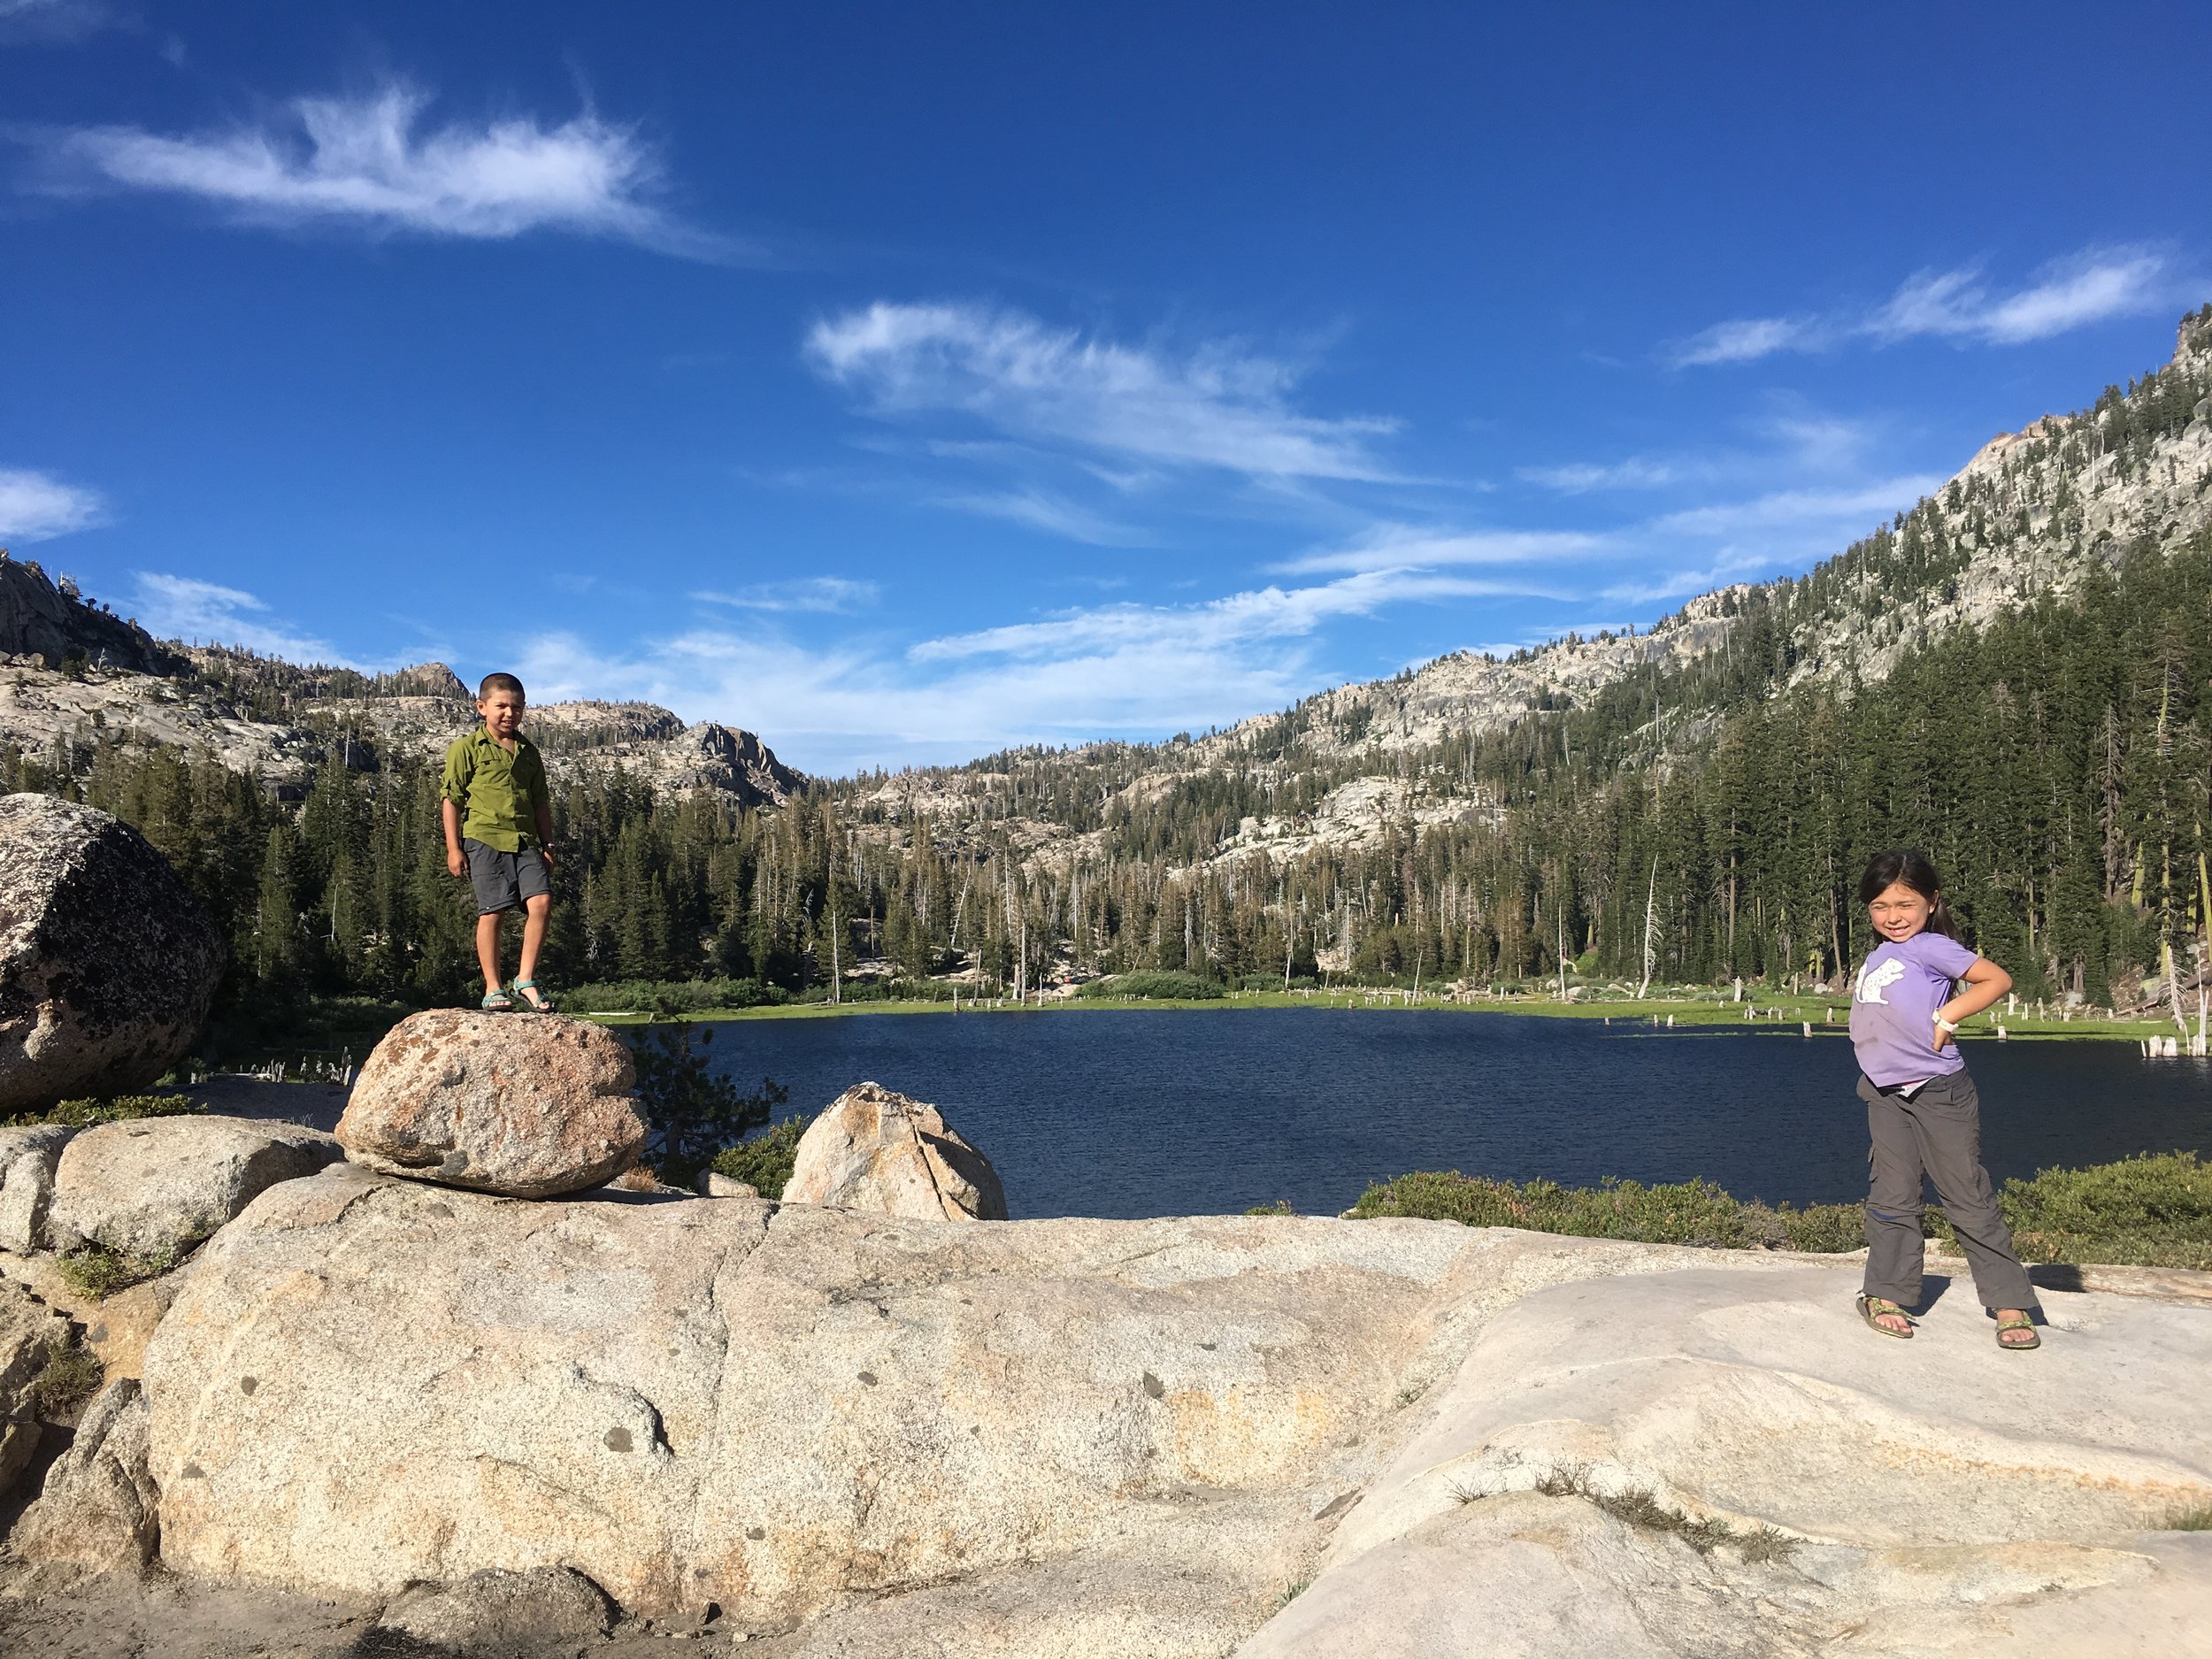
{"x": 764, "y": 1161}
{"x": 82, "y": 1114}
{"x": 1692, "y": 1212}
{"x": 2147, "y": 1211}
{"x": 2154, "y": 1210}
{"x": 1154, "y": 984}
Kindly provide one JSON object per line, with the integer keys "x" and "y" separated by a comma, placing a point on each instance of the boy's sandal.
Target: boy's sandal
{"x": 527, "y": 995}
{"x": 1873, "y": 1310}
{"x": 499, "y": 1003}
{"x": 2020, "y": 1322}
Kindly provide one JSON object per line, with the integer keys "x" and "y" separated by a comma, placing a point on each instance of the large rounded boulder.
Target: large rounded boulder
{"x": 107, "y": 962}
{"x": 523, "y": 1104}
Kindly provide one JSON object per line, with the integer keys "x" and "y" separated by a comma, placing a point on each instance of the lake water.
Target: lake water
{"x": 1139, "y": 1112}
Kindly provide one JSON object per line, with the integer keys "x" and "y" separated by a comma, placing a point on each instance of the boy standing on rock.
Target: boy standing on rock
{"x": 498, "y": 821}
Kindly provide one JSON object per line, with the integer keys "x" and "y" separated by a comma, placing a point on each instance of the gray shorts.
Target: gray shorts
{"x": 505, "y": 880}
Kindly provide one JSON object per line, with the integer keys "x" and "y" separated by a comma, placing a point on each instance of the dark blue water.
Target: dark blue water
{"x": 1175, "y": 1112}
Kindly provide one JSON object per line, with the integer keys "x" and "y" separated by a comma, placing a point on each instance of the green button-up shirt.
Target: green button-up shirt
{"x": 498, "y": 793}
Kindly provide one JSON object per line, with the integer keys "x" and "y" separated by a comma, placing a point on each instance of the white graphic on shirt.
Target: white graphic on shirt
{"x": 1872, "y": 978}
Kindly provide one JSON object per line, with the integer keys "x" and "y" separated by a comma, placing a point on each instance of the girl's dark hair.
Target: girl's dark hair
{"x": 1884, "y": 871}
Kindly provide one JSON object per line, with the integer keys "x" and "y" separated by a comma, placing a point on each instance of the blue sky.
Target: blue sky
{"x": 901, "y": 383}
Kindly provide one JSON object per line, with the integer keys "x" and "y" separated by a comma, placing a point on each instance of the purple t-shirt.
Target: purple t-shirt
{"x": 1893, "y": 1005}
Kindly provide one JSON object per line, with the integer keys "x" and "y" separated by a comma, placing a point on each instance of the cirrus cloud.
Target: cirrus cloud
{"x": 2089, "y": 286}
{"x": 1221, "y": 406}
{"x": 37, "y": 506}
{"x": 366, "y": 162}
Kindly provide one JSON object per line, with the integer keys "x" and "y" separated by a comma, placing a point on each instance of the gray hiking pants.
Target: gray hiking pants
{"x": 1937, "y": 1133}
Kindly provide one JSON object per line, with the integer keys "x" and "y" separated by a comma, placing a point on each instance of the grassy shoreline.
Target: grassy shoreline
{"x": 1827, "y": 1015}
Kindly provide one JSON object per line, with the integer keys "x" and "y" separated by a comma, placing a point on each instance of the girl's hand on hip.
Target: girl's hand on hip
{"x": 1941, "y": 1035}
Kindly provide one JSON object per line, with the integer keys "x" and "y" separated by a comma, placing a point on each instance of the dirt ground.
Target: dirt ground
{"x": 168, "y": 1618}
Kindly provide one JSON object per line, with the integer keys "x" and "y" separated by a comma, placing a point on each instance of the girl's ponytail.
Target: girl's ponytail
{"x": 1884, "y": 871}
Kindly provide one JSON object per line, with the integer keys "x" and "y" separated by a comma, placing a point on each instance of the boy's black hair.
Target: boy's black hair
{"x": 498, "y": 682}
{"x": 1917, "y": 872}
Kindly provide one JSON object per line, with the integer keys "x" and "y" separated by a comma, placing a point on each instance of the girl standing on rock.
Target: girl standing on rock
{"x": 1923, "y": 1117}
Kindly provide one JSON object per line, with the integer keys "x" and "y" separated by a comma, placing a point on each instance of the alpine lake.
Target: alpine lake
{"x": 1133, "y": 1112}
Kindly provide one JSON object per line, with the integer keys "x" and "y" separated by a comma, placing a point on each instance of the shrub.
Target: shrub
{"x": 764, "y": 1161}
{"x": 82, "y": 1114}
{"x": 1154, "y": 984}
{"x": 1690, "y": 1212}
{"x": 2146, "y": 1212}
{"x": 1823, "y": 1229}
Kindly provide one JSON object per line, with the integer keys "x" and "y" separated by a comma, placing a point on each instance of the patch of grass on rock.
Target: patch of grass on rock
{"x": 1637, "y": 1507}
{"x": 99, "y": 1272}
{"x": 70, "y": 1377}
{"x": 84, "y": 1114}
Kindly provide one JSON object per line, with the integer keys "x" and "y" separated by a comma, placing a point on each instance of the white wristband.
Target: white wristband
{"x": 1944, "y": 1024}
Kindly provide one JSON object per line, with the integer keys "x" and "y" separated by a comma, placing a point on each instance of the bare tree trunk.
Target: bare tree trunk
{"x": 1651, "y": 924}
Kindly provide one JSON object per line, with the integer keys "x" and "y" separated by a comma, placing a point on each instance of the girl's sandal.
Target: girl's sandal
{"x": 1874, "y": 1309}
{"x": 2019, "y": 1323}
{"x": 528, "y": 997}
{"x": 499, "y": 1003}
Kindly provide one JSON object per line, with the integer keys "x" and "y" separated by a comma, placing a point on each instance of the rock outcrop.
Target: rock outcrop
{"x": 528, "y": 1105}
{"x": 29, "y": 1335}
{"x": 875, "y": 1150}
{"x": 370, "y": 1382}
{"x": 1161, "y": 1437}
{"x": 39, "y": 617}
{"x": 99, "y": 1511}
{"x": 155, "y": 1186}
{"x": 1734, "y": 1470}
{"x": 27, "y": 1157}
{"x": 107, "y": 962}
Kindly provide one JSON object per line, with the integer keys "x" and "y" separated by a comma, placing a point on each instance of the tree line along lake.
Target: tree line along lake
{"x": 1133, "y": 1112}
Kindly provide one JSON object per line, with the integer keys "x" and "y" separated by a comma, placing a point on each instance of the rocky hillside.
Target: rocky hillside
{"x": 74, "y": 675}
{"x": 2030, "y": 514}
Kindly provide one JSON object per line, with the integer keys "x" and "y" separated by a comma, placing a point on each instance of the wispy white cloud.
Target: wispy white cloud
{"x": 1220, "y": 406}
{"x": 2085, "y": 287}
{"x": 1042, "y": 510}
{"x": 826, "y": 594}
{"x": 1781, "y": 508}
{"x": 364, "y": 162}
{"x": 186, "y": 608}
{"x": 1107, "y": 669}
{"x": 1239, "y": 619}
{"x": 1580, "y": 477}
{"x": 1401, "y": 547}
{"x": 1730, "y": 565}
{"x": 37, "y": 506}
{"x": 54, "y": 22}
{"x": 1745, "y": 339}
{"x": 2088, "y": 288}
